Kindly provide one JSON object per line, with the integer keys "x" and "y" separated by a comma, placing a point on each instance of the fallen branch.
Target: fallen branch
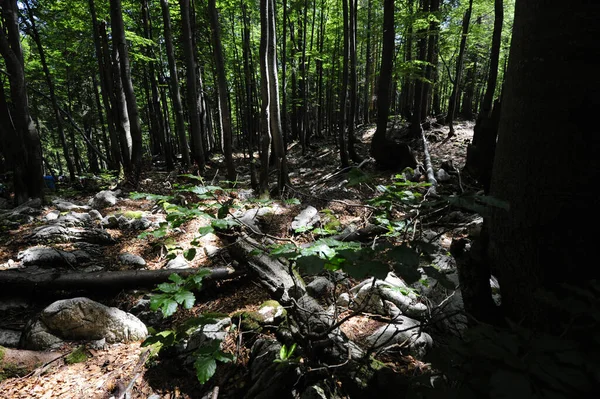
{"x": 136, "y": 374}
{"x": 428, "y": 165}
{"x": 24, "y": 282}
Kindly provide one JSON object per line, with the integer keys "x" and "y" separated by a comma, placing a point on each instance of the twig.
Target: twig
{"x": 142, "y": 360}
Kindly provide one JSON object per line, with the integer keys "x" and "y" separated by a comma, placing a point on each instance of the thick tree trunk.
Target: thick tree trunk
{"x": 17, "y": 130}
{"x": 344, "y": 90}
{"x": 223, "y": 90}
{"x": 174, "y": 81}
{"x": 552, "y": 85}
{"x": 118, "y": 31}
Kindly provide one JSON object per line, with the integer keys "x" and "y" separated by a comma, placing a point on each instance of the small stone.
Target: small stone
{"x": 306, "y": 219}
{"x": 178, "y": 263}
{"x": 442, "y": 175}
{"x": 140, "y": 224}
{"x": 343, "y": 300}
{"x": 104, "y": 199}
{"x": 95, "y": 215}
{"x": 52, "y": 216}
{"x": 320, "y": 287}
{"x": 110, "y": 222}
{"x": 131, "y": 259}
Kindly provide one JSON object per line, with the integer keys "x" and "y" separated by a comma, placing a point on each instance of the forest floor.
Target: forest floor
{"x": 316, "y": 180}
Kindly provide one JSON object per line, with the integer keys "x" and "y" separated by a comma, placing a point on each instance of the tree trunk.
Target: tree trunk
{"x": 50, "y": 83}
{"x": 174, "y": 84}
{"x": 551, "y": 88}
{"x": 106, "y": 90}
{"x": 353, "y": 83}
{"x": 459, "y": 66}
{"x": 192, "y": 92}
{"x": 119, "y": 42}
{"x": 223, "y": 90}
{"x": 480, "y": 153}
{"x": 265, "y": 128}
{"x": 367, "y": 94}
{"x": 344, "y": 90}
{"x": 22, "y": 145}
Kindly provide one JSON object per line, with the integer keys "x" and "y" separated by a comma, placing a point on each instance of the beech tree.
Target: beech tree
{"x": 21, "y": 142}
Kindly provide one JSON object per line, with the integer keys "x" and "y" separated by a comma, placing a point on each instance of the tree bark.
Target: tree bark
{"x": 22, "y": 143}
{"x": 459, "y": 66}
{"x": 118, "y": 31}
{"x": 174, "y": 85}
{"x": 344, "y": 91}
{"x": 223, "y": 90}
{"x": 192, "y": 92}
{"x": 551, "y": 88}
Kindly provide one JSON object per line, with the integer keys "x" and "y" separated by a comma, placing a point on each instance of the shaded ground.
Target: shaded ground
{"x": 316, "y": 181}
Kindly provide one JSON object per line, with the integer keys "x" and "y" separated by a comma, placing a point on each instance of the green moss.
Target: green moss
{"x": 2, "y": 351}
{"x": 248, "y": 321}
{"x": 11, "y": 371}
{"x": 77, "y": 356}
{"x": 133, "y": 214}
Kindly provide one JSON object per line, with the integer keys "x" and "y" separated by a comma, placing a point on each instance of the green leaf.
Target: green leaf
{"x": 310, "y": 264}
{"x": 292, "y": 201}
{"x": 224, "y": 357}
{"x": 223, "y": 212}
{"x": 185, "y": 298}
{"x": 205, "y": 368}
{"x": 367, "y": 268}
{"x": 206, "y": 230}
{"x": 189, "y": 254}
{"x": 167, "y": 288}
{"x": 176, "y": 278}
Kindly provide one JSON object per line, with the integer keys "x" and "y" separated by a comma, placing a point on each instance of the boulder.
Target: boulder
{"x": 81, "y": 319}
{"x": 110, "y": 222}
{"x": 9, "y": 338}
{"x": 268, "y": 379}
{"x": 405, "y": 332}
{"x": 271, "y": 312}
{"x": 74, "y": 219}
{"x": 208, "y": 332}
{"x": 140, "y": 224}
{"x": 46, "y": 257}
{"x": 65, "y": 206}
{"x": 95, "y": 215}
{"x": 60, "y": 233}
{"x": 51, "y": 216}
{"x": 104, "y": 199}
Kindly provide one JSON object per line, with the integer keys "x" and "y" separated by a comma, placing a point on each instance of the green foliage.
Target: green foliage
{"x": 285, "y": 354}
{"x": 178, "y": 292}
{"x": 206, "y": 356}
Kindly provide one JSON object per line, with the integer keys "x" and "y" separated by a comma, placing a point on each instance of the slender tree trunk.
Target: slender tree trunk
{"x": 106, "y": 90}
{"x": 119, "y": 42}
{"x": 353, "y": 97}
{"x": 480, "y": 153}
{"x": 284, "y": 116}
{"x": 223, "y": 91}
{"x": 265, "y": 128}
{"x": 407, "y": 93}
{"x": 50, "y": 83}
{"x": 459, "y": 66}
{"x": 105, "y": 138}
{"x": 367, "y": 94}
{"x": 174, "y": 85}
{"x": 192, "y": 92}
{"x": 344, "y": 90}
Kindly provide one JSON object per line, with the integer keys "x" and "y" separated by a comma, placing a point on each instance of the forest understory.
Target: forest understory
{"x": 342, "y": 199}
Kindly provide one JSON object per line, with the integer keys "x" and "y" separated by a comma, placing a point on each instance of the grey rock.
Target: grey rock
{"x": 320, "y": 287}
{"x": 343, "y": 300}
{"x": 210, "y": 250}
{"x": 177, "y": 263}
{"x": 131, "y": 259}
{"x": 442, "y": 175}
{"x": 52, "y": 216}
{"x": 104, "y": 199}
{"x": 268, "y": 379}
{"x": 110, "y": 222}
{"x": 95, "y": 215}
{"x": 74, "y": 219}
{"x": 31, "y": 207}
{"x": 65, "y": 206}
{"x": 404, "y": 331}
{"x": 272, "y": 312}
{"x": 9, "y": 338}
{"x": 208, "y": 332}
{"x": 82, "y": 319}
{"x": 140, "y": 224}
{"x": 82, "y": 256}
{"x": 46, "y": 257}
{"x": 36, "y": 336}
{"x": 313, "y": 315}
{"x": 60, "y": 233}
{"x": 20, "y": 218}
{"x": 94, "y": 250}
{"x": 306, "y": 219}
{"x": 314, "y": 392}
{"x": 123, "y": 222}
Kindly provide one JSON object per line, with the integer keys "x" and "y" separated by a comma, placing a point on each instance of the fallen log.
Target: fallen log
{"x": 12, "y": 281}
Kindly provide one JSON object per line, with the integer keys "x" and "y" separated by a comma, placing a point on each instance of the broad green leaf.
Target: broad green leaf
{"x": 189, "y": 254}
{"x": 185, "y": 298}
{"x": 310, "y": 264}
{"x": 205, "y": 368}
{"x": 176, "y": 278}
{"x": 167, "y": 288}
{"x": 292, "y": 201}
{"x": 206, "y": 230}
{"x": 224, "y": 357}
